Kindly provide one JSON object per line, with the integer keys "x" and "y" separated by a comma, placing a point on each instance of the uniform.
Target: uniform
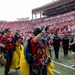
{"x": 65, "y": 43}
{"x": 56, "y": 44}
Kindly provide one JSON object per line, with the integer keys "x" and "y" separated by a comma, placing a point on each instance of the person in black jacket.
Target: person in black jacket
{"x": 56, "y": 44}
{"x": 72, "y": 46}
{"x": 65, "y": 44}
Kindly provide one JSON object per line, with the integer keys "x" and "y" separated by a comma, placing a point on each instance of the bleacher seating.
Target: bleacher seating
{"x": 64, "y": 22}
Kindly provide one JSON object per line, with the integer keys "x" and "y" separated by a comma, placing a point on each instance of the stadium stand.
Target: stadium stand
{"x": 64, "y": 22}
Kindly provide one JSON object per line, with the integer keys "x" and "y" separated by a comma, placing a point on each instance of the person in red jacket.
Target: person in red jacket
{"x": 37, "y": 52}
{"x": 8, "y": 42}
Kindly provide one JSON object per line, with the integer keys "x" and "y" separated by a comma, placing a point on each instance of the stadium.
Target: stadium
{"x": 58, "y": 15}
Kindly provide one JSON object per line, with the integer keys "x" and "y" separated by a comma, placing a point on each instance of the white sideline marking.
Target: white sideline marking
{"x": 64, "y": 65}
{"x": 56, "y": 71}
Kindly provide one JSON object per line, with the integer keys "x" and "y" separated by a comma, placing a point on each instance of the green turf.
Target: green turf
{"x": 64, "y": 60}
{"x": 12, "y": 72}
{"x": 64, "y": 70}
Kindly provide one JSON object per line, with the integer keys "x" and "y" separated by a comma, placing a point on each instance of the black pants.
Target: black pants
{"x": 56, "y": 50}
{"x": 39, "y": 70}
{"x": 65, "y": 49}
{"x": 8, "y": 56}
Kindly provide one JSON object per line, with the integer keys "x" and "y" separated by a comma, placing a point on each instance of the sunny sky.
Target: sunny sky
{"x": 10, "y": 10}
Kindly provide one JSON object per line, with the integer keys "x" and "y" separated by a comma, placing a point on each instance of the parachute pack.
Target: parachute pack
{"x": 27, "y": 51}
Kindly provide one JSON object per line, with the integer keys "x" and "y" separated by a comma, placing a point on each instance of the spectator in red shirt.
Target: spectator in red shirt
{"x": 8, "y": 50}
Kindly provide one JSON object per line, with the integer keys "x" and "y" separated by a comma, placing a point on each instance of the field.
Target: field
{"x": 62, "y": 65}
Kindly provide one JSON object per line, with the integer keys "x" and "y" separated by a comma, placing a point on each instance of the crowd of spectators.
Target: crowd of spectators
{"x": 63, "y": 22}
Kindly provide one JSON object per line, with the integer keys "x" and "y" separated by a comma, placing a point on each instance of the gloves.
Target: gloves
{"x": 48, "y": 60}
